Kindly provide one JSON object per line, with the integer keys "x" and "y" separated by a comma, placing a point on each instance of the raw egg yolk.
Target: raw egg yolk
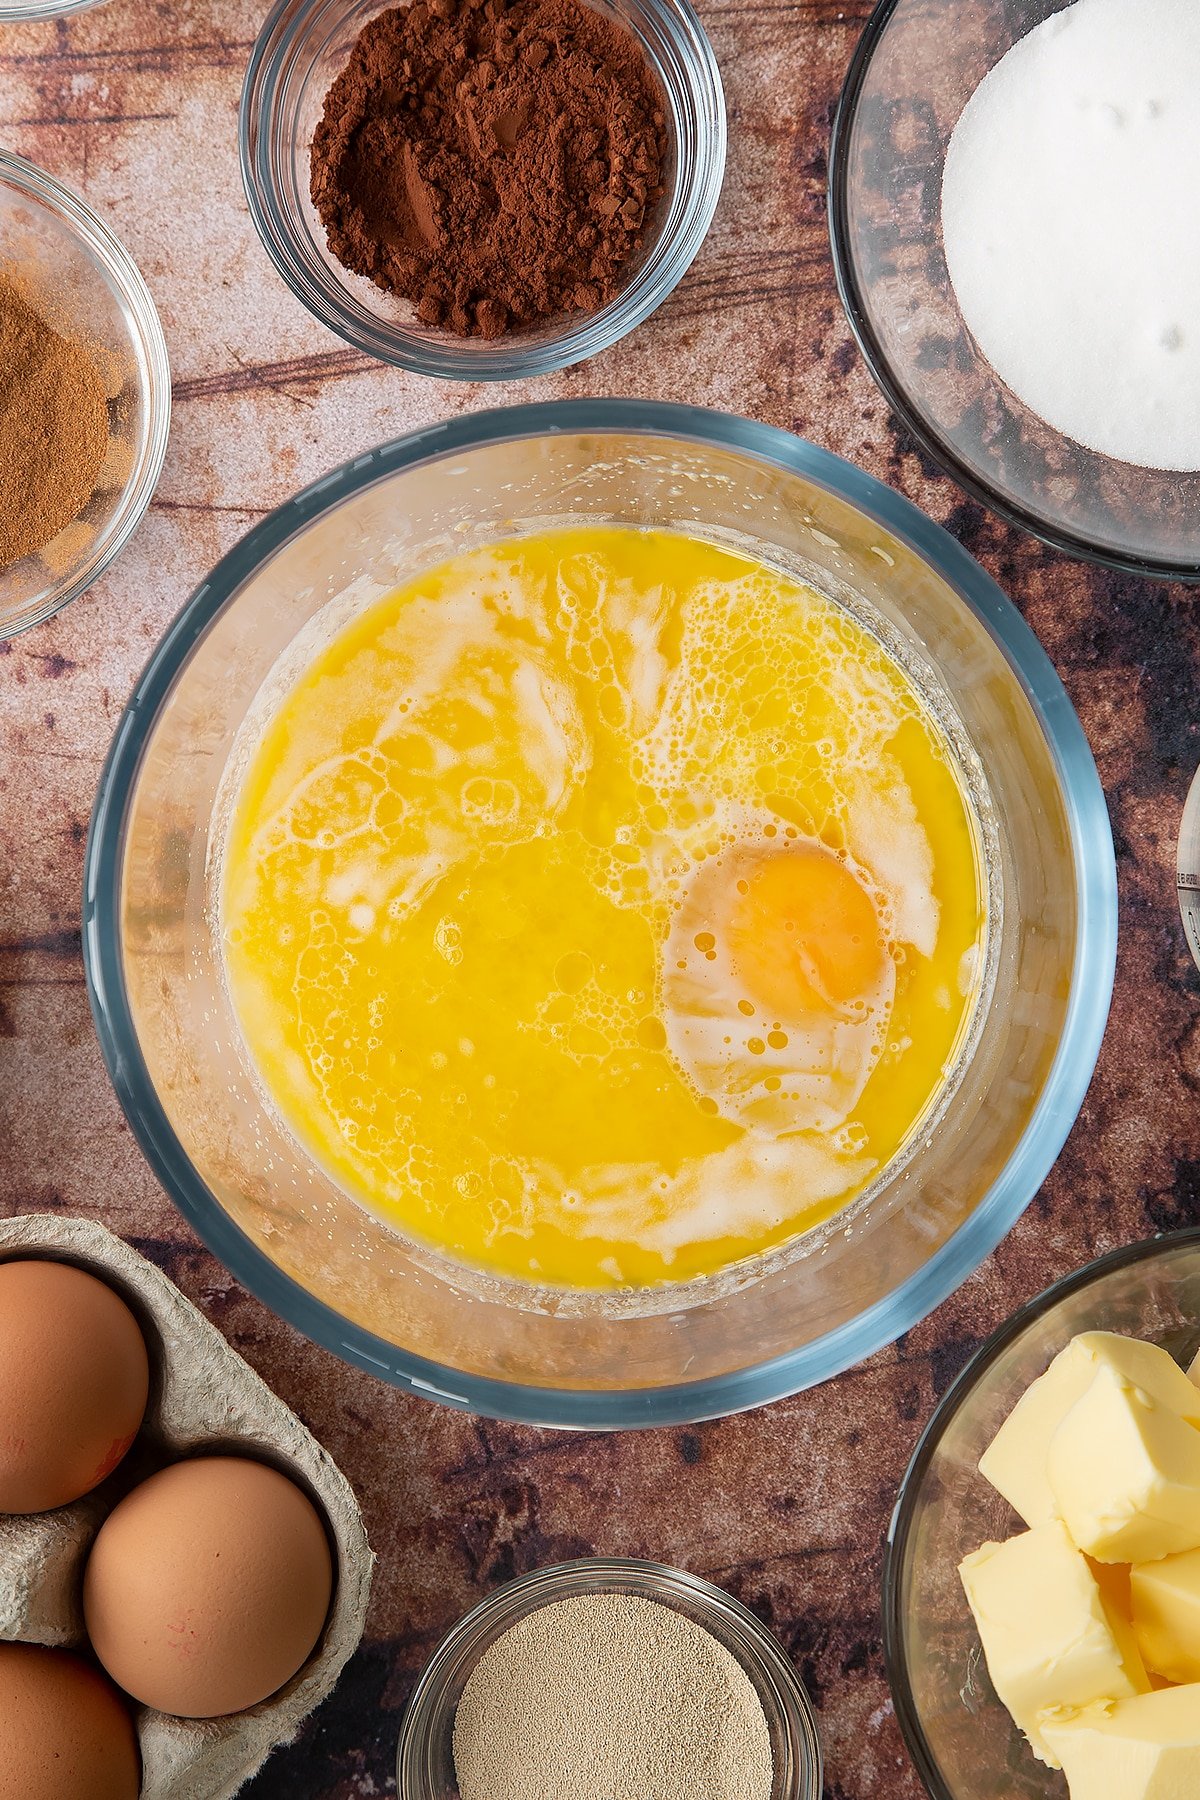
{"x": 804, "y": 935}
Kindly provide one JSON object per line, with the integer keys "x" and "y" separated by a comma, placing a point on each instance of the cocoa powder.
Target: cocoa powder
{"x": 495, "y": 164}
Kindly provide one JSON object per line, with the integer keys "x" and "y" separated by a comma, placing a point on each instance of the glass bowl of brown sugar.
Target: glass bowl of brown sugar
{"x": 609, "y": 1675}
{"x": 86, "y": 403}
{"x": 513, "y": 124}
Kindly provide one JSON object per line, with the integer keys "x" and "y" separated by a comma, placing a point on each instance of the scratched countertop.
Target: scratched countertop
{"x": 135, "y": 105}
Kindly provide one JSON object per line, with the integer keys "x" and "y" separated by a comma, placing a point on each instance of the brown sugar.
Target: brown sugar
{"x": 495, "y": 164}
{"x": 53, "y": 428}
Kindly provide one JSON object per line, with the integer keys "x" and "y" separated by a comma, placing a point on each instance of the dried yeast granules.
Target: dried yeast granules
{"x": 495, "y": 164}
{"x": 610, "y": 1697}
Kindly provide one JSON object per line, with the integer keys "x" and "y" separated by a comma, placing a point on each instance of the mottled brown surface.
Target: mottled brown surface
{"x": 136, "y": 105}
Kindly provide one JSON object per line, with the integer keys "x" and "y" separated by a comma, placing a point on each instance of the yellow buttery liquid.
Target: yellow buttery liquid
{"x": 602, "y": 907}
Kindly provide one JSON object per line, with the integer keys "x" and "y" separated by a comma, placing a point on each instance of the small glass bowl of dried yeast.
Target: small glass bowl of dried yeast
{"x": 613, "y": 1676}
{"x": 86, "y": 408}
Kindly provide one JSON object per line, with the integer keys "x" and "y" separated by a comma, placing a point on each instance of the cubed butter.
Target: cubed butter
{"x": 1113, "y": 1581}
{"x": 1146, "y": 1748}
{"x": 1125, "y": 1473}
{"x": 1046, "y": 1633}
{"x": 1015, "y": 1460}
{"x": 1165, "y": 1604}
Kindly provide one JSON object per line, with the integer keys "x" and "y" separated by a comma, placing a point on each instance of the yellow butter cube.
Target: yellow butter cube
{"x": 1046, "y": 1633}
{"x": 1114, "y": 1585}
{"x": 1146, "y": 1748}
{"x": 1113, "y": 1581}
{"x": 1015, "y": 1460}
{"x": 1165, "y": 1604}
{"x": 1125, "y": 1474}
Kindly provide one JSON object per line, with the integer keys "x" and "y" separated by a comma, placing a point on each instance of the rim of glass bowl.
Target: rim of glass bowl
{"x": 464, "y": 1643}
{"x": 700, "y": 152}
{"x": 150, "y": 354}
{"x": 1017, "y": 1182}
{"x": 27, "y": 11}
{"x": 956, "y": 1396}
{"x": 1187, "y": 863}
{"x": 1059, "y": 537}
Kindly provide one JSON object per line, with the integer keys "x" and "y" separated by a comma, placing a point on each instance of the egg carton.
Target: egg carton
{"x": 202, "y": 1396}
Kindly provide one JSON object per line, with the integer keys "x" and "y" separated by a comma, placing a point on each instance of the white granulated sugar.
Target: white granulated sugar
{"x": 1071, "y": 218}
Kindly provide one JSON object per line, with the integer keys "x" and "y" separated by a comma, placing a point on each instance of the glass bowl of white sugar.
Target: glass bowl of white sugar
{"x": 1013, "y": 217}
{"x": 609, "y": 1679}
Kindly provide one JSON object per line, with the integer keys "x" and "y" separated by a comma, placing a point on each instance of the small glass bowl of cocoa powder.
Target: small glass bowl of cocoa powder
{"x": 431, "y": 1765}
{"x": 91, "y": 381}
{"x": 305, "y": 49}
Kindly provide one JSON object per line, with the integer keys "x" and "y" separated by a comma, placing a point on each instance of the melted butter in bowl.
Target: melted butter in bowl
{"x": 604, "y": 907}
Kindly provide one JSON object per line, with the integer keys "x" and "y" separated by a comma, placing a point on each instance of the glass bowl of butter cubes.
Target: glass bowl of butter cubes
{"x": 1042, "y": 1588}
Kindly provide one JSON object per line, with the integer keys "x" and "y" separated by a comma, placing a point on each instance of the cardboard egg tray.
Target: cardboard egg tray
{"x": 202, "y": 1396}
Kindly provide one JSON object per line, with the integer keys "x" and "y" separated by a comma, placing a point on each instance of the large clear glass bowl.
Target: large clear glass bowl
{"x": 962, "y": 1739}
{"x": 304, "y": 46}
{"x": 916, "y": 66}
{"x": 772, "y": 1326}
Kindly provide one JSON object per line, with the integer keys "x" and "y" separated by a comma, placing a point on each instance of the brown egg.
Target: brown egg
{"x": 74, "y": 1379}
{"x": 208, "y": 1586}
{"x": 65, "y": 1732}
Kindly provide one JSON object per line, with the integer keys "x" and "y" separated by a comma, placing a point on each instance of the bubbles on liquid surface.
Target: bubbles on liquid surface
{"x": 635, "y": 862}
